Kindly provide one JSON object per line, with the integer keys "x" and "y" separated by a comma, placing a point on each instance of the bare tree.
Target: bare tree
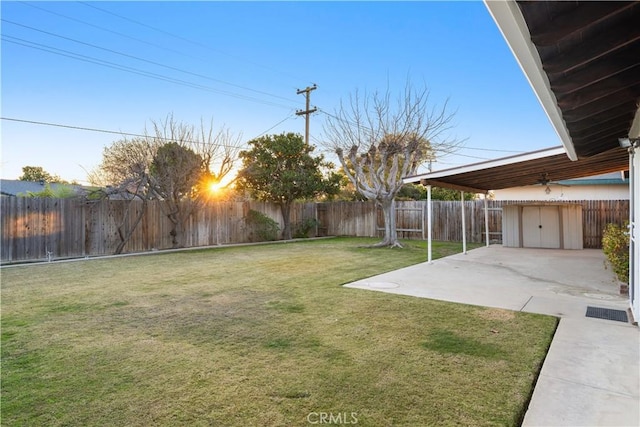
{"x": 173, "y": 163}
{"x": 124, "y": 175}
{"x": 378, "y": 142}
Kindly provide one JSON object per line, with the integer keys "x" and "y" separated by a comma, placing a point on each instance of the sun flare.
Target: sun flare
{"x": 215, "y": 187}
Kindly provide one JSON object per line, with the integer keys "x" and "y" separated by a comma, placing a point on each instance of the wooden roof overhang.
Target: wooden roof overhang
{"x": 582, "y": 59}
{"x": 590, "y": 52}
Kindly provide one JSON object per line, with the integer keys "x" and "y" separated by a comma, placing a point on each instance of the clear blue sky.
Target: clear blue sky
{"x": 248, "y": 59}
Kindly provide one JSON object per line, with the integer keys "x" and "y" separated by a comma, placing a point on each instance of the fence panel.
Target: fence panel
{"x": 32, "y": 228}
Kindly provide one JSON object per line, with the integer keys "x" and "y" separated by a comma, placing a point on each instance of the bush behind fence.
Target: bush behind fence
{"x": 34, "y": 229}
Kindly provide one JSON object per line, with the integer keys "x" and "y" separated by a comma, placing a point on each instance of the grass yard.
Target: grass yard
{"x": 256, "y": 336}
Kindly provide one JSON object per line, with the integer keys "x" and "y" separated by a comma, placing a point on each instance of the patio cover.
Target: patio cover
{"x": 582, "y": 60}
{"x": 536, "y": 167}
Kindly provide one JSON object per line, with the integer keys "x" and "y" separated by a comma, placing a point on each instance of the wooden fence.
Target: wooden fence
{"x": 447, "y": 219}
{"x": 35, "y": 229}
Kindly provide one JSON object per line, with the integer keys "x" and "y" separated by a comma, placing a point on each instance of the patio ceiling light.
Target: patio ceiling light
{"x": 628, "y": 142}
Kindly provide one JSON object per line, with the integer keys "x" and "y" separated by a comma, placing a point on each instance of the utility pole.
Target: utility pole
{"x": 307, "y": 111}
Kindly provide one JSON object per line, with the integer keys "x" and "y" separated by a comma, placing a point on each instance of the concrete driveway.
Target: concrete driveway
{"x": 591, "y": 374}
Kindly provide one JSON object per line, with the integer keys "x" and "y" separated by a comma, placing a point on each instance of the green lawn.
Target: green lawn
{"x": 256, "y": 336}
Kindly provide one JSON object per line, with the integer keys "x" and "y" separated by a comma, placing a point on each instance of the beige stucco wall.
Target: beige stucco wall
{"x": 564, "y": 193}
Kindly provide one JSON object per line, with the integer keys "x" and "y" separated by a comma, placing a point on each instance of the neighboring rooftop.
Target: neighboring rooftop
{"x": 14, "y": 187}
{"x": 614, "y": 178}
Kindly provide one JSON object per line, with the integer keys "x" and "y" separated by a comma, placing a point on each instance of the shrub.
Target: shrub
{"x": 261, "y": 226}
{"x": 615, "y": 244}
{"x": 303, "y": 228}
{"x": 60, "y": 192}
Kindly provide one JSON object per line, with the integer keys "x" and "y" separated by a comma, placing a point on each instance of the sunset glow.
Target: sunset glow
{"x": 215, "y": 187}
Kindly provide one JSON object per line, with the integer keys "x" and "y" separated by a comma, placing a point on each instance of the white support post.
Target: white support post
{"x": 634, "y": 230}
{"x": 486, "y": 219}
{"x": 464, "y": 225}
{"x": 429, "y": 257}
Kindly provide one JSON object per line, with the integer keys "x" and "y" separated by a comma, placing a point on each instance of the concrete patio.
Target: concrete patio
{"x": 591, "y": 374}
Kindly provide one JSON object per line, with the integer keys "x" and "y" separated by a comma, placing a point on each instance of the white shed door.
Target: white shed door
{"x": 540, "y": 227}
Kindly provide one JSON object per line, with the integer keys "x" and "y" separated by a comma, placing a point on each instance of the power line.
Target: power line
{"x": 113, "y": 132}
{"x": 110, "y": 31}
{"x": 92, "y": 60}
{"x": 277, "y": 124}
{"x": 109, "y": 64}
{"x": 494, "y": 149}
{"x": 145, "y": 60}
{"x": 454, "y": 154}
{"x": 196, "y": 43}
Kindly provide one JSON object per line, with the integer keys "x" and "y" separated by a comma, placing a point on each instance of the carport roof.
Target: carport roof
{"x": 551, "y": 164}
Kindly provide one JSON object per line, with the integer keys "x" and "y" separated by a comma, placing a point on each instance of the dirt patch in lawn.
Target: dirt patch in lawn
{"x": 497, "y": 314}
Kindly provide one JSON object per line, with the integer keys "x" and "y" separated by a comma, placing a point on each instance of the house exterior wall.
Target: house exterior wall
{"x": 564, "y": 192}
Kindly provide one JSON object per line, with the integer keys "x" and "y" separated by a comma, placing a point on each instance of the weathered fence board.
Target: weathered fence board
{"x": 31, "y": 227}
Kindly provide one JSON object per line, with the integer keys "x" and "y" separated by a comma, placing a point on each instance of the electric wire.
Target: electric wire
{"x": 452, "y": 154}
{"x": 290, "y": 115}
{"x": 138, "y": 135}
{"x": 85, "y": 58}
{"x": 109, "y": 64}
{"x": 154, "y": 75}
{"x": 145, "y": 60}
{"x": 108, "y": 30}
{"x": 193, "y": 42}
{"x": 106, "y": 131}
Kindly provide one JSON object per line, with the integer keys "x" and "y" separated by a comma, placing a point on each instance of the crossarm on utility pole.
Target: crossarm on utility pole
{"x": 308, "y": 110}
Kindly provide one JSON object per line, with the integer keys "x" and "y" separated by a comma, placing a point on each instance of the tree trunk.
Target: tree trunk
{"x": 176, "y": 232}
{"x": 390, "y": 238}
{"x": 285, "y": 208}
{"x": 124, "y": 238}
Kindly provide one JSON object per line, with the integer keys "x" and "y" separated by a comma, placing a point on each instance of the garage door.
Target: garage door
{"x": 541, "y": 227}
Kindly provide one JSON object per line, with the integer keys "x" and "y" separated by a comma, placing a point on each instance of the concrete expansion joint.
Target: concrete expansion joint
{"x": 593, "y": 387}
{"x": 516, "y": 272}
{"x": 525, "y": 304}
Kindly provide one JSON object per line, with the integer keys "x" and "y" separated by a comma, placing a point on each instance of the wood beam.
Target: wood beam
{"x": 451, "y": 186}
{"x": 625, "y": 80}
{"x": 529, "y": 172}
{"x": 589, "y": 125}
{"x": 560, "y": 61}
{"x": 605, "y": 130}
{"x": 611, "y": 102}
{"x": 587, "y": 15}
{"x": 593, "y": 74}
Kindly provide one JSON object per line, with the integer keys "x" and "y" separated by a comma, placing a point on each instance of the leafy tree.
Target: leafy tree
{"x": 177, "y": 175}
{"x": 438, "y": 193}
{"x": 419, "y": 192}
{"x": 281, "y": 169}
{"x": 160, "y": 166}
{"x": 379, "y": 142}
{"x": 37, "y": 174}
{"x": 60, "y": 191}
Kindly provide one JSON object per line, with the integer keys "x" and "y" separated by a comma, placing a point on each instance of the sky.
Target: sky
{"x": 118, "y": 66}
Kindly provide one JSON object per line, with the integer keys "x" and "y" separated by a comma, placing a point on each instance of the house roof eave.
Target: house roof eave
{"x": 512, "y": 25}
